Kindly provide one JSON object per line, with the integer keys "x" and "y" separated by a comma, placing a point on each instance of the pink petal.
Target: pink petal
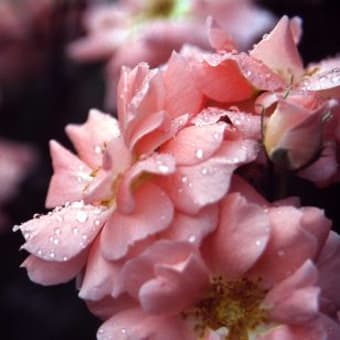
{"x": 222, "y": 80}
{"x": 108, "y": 306}
{"x": 328, "y": 264}
{"x": 295, "y": 300}
{"x": 258, "y": 74}
{"x": 143, "y": 268}
{"x": 175, "y": 287}
{"x": 193, "y": 187}
{"x": 122, "y": 231}
{"x": 158, "y": 164}
{"x": 63, "y": 233}
{"x": 137, "y": 325}
{"x": 193, "y": 228}
{"x": 290, "y": 245}
{"x": 99, "y": 277}
{"x": 325, "y": 83}
{"x": 195, "y": 144}
{"x": 240, "y": 238}
{"x": 49, "y": 273}
{"x": 90, "y": 138}
{"x": 70, "y": 176}
{"x": 279, "y": 52}
{"x": 182, "y": 96}
{"x": 248, "y": 124}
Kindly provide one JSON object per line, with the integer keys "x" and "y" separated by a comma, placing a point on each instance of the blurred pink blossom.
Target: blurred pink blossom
{"x": 128, "y": 32}
{"x": 16, "y": 160}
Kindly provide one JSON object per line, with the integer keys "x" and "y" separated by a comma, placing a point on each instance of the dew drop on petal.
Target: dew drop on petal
{"x": 57, "y": 231}
{"x": 192, "y": 238}
{"x": 258, "y": 243}
{"x": 184, "y": 179}
{"x": 97, "y": 222}
{"x": 39, "y": 252}
{"x": 75, "y": 230}
{"x": 163, "y": 168}
{"x": 81, "y": 216}
{"x": 199, "y": 154}
{"x": 204, "y": 171}
{"x": 52, "y": 254}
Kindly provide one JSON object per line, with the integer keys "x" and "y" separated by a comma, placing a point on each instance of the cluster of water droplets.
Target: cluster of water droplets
{"x": 61, "y": 228}
{"x": 322, "y": 81}
{"x": 103, "y": 335}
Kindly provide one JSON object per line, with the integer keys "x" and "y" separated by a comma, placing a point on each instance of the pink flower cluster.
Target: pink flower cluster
{"x": 127, "y": 32}
{"x": 166, "y": 240}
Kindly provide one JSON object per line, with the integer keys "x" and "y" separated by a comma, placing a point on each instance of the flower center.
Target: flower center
{"x": 234, "y": 306}
{"x": 160, "y": 8}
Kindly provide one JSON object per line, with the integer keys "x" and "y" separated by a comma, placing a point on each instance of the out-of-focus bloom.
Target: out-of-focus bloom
{"x": 16, "y": 160}
{"x": 128, "y": 32}
{"x": 266, "y": 272}
{"x": 29, "y": 30}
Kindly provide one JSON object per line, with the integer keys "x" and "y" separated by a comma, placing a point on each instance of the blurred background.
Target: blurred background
{"x": 42, "y": 90}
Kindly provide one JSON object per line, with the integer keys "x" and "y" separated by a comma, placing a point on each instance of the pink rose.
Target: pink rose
{"x": 269, "y": 272}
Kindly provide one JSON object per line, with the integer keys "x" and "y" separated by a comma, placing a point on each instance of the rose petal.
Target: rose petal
{"x": 158, "y": 164}
{"x": 70, "y": 176}
{"x": 193, "y": 187}
{"x": 91, "y": 137}
{"x": 279, "y": 52}
{"x": 193, "y": 228}
{"x": 49, "y": 273}
{"x": 63, "y": 233}
{"x": 136, "y": 324}
{"x": 240, "y": 238}
{"x": 290, "y": 245}
{"x": 195, "y": 144}
{"x": 122, "y": 231}
{"x": 99, "y": 277}
{"x": 295, "y": 300}
{"x": 182, "y": 96}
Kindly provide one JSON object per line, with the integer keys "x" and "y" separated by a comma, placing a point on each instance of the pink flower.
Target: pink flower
{"x": 16, "y": 161}
{"x": 129, "y": 32}
{"x": 156, "y": 151}
{"x": 266, "y": 273}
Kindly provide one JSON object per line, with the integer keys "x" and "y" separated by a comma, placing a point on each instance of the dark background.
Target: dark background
{"x": 37, "y": 110}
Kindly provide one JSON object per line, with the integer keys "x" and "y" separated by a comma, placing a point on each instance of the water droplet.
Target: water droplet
{"x": 78, "y": 204}
{"x": 184, "y": 179}
{"x": 84, "y": 237}
{"x": 97, "y": 222}
{"x": 75, "y": 230}
{"x": 199, "y": 154}
{"x": 81, "y": 216}
{"x": 16, "y": 227}
{"x": 56, "y": 241}
{"x": 97, "y": 149}
{"x": 192, "y": 238}
{"x": 258, "y": 243}
{"x": 57, "y": 231}
{"x": 123, "y": 331}
{"x": 39, "y": 252}
{"x": 65, "y": 258}
{"x": 36, "y": 216}
{"x": 162, "y": 168}
{"x": 204, "y": 171}
{"x": 217, "y": 135}
{"x": 52, "y": 254}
